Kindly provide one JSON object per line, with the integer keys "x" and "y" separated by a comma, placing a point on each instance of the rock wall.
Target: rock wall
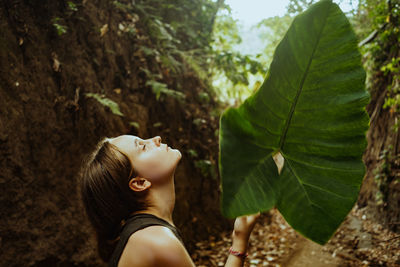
{"x": 381, "y": 187}
{"x": 47, "y": 125}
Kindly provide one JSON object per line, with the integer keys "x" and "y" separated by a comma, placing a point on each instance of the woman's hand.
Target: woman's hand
{"x": 240, "y": 238}
{"x": 244, "y": 225}
{"x": 242, "y": 230}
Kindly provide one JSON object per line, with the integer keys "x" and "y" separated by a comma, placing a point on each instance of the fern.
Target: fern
{"x": 102, "y": 99}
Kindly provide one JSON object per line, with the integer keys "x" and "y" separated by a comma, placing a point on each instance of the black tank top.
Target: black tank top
{"x": 133, "y": 224}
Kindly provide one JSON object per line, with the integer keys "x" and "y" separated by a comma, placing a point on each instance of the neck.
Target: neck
{"x": 162, "y": 200}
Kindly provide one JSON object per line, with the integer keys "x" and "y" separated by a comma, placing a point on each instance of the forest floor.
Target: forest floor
{"x": 359, "y": 241}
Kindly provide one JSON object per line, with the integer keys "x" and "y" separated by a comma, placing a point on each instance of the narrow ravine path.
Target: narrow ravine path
{"x": 359, "y": 241}
{"x": 309, "y": 253}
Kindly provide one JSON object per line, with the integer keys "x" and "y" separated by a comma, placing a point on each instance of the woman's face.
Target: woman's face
{"x": 149, "y": 157}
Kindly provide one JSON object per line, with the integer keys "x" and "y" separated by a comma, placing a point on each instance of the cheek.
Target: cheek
{"x": 154, "y": 165}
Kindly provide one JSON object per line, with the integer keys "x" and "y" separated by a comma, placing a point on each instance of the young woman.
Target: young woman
{"x": 128, "y": 192}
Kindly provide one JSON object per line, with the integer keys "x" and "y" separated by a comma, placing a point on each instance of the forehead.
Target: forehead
{"x": 123, "y": 139}
{"x": 125, "y": 142}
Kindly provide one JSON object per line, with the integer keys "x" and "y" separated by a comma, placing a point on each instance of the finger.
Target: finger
{"x": 255, "y": 215}
{"x": 253, "y": 218}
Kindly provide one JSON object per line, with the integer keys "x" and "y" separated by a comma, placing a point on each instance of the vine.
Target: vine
{"x": 382, "y": 61}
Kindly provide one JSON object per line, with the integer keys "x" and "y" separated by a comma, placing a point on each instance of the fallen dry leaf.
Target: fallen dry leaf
{"x": 103, "y": 30}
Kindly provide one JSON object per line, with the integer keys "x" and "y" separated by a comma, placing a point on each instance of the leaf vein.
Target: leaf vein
{"x": 324, "y": 190}
{"x": 318, "y": 166}
{"x": 305, "y": 192}
{"x": 283, "y": 136}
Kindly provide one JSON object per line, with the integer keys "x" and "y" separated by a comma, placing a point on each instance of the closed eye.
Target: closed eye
{"x": 144, "y": 147}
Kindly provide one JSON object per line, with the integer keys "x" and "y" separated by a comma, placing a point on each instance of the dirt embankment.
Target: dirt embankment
{"x": 359, "y": 241}
{"x": 48, "y": 124}
{"x": 381, "y": 187}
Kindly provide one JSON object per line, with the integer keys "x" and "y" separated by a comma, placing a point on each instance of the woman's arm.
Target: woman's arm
{"x": 173, "y": 253}
{"x": 158, "y": 246}
{"x": 240, "y": 238}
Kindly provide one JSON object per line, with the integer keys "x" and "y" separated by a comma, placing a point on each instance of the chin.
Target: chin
{"x": 179, "y": 154}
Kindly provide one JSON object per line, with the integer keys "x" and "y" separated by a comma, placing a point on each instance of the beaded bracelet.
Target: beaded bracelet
{"x": 243, "y": 255}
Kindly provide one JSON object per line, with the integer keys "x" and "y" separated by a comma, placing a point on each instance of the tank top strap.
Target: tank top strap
{"x": 135, "y": 223}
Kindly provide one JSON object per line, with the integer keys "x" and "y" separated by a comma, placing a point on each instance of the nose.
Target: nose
{"x": 157, "y": 140}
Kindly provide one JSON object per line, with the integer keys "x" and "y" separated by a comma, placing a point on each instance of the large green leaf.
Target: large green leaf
{"x": 311, "y": 109}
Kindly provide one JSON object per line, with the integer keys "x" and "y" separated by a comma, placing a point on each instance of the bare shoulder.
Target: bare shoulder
{"x": 155, "y": 246}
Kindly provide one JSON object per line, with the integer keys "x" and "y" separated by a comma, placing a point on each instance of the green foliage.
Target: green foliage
{"x": 298, "y": 6}
{"x": 310, "y": 109}
{"x": 383, "y": 174}
{"x": 295, "y": 7}
{"x": 173, "y": 26}
{"x": 273, "y": 30}
{"x": 204, "y": 97}
{"x": 206, "y": 167}
{"x": 230, "y": 69}
{"x": 184, "y": 36}
{"x": 102, "y": 99}
{"x": 225, "y": 32}
{"x": 380, "y": 19}
{"x": 392, "y": 67}
{"x": 195, "y": 60}
{"x": 177, "y": 38}
{"x": 192, "y": 153}
{"x": 161, "y": 88}
{"x": 135, "y": 124}
{"x": 72, "y": 6}
{"x": 236, "y": 66}
{"x": 382, "y": 53}
{"x": 61, "y": 29}
{"x": 392, "y": 101}
{"x": 189, "y": 23}
{"x": 199, "y": 121}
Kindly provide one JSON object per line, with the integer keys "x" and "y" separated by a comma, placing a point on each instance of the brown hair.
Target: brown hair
{"x": 106, "y": 195}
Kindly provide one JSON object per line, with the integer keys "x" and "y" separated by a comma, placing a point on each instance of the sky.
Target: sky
{"x": 250, "y": 12}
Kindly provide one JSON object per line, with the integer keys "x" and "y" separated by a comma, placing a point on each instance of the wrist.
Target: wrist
{"x": 239, "y": 244}
{"x": 240, "y": 234}
{"x": 238, "y": 253}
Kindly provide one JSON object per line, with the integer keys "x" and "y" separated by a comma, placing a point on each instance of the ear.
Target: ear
{"x": 139, "y": 184}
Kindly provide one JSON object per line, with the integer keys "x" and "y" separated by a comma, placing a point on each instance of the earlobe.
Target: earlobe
{"x": 139, "y": 184}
